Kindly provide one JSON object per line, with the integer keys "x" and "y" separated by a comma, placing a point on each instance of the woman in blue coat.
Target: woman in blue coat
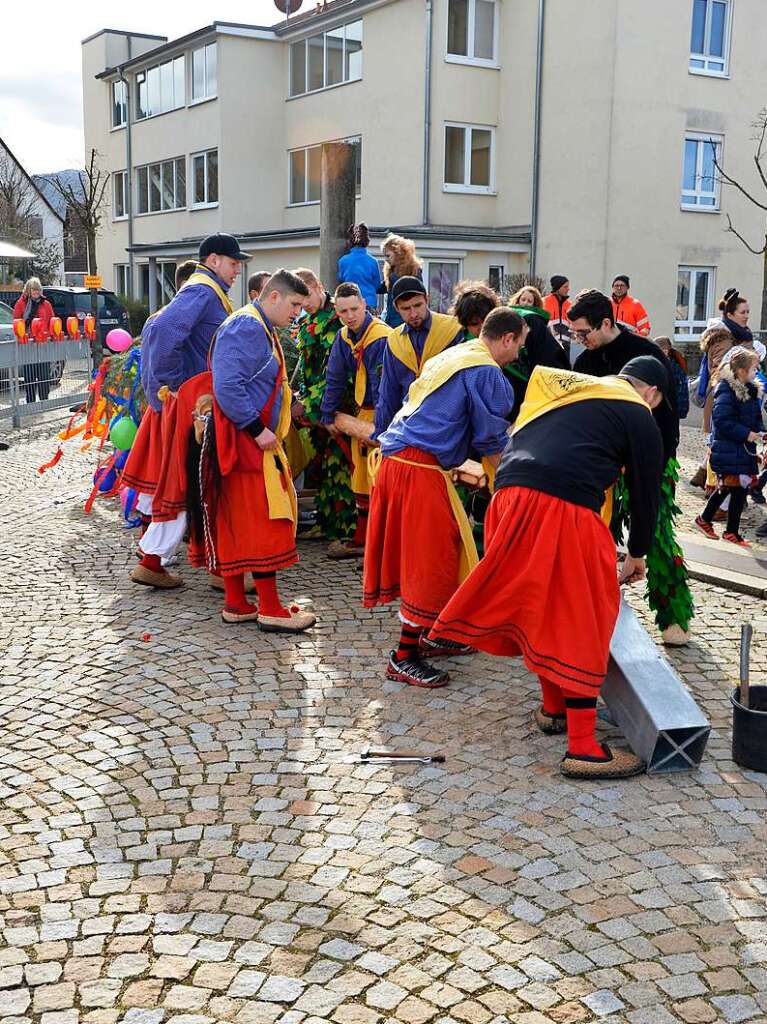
{"x": 358, "y": 267}
{"x": 737, "y": 427}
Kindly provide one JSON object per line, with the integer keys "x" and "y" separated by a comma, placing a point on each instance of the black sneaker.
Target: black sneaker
{"x": 415, "y": 672}
{"x": 757, "y": 497}
{"x": 439, "y": 648}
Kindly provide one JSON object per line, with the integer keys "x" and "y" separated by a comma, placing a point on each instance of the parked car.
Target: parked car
{"x": 77, "y": 302}
{"x": 6, "y": 322}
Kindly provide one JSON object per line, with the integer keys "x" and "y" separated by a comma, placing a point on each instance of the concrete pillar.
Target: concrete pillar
{"x": 337, "y": 207}
{"x": 152, "y": 284}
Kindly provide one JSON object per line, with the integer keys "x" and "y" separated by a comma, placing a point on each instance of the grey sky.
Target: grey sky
{"x": 41, "y": 110}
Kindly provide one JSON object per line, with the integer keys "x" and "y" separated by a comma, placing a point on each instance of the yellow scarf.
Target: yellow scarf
{"x": 441, "y": 368}
{"x": 199, "y": 277}
{"x": 438, "y": 372}
{"x": 280, "y": 492}
{"x": 550, "y": 388}
{"x": 442, "y": 331}
{"x": 376, "y": 329}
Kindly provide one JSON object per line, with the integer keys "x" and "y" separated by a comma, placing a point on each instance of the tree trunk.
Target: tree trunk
{"x": 337, "y": 205}
{"x": 91, "y": 237}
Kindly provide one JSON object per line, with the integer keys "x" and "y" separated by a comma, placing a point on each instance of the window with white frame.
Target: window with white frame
{"x": 710, "y": 36}
{"x": 440, "y": 277}
{"x": 205, "y": 178}
{"x": 161, "y": 186}
{"x": 204, "y": 72}
{"x": 701, "y": 185}
{"x": 119, "y": 104}
{"x": 469, "y": 158}
{"x": 495, "y": 275}
{"x": 160, "y": 88}
{"x": 304, "y": 170}
{"x": 165, "y": 282}
{"x": 330, "y": 58}
{"x": 472, "y": 29}
{"x": 119, "y": 195}
{"x": 122, "y": 279}
{"x": 694, "y": 299}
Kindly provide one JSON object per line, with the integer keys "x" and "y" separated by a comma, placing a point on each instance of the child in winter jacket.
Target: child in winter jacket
{"x": 737, "y": 426}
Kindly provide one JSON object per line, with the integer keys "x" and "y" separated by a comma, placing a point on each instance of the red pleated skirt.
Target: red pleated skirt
{"x": 546, "y": 589}
{"x": 170, "y": 494}
{"x": 245, "y": 539}
{"x": 144, "y": 463}
{"x": 413, "y": 544}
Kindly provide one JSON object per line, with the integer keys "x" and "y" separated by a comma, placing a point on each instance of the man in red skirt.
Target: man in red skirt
{"x": 174, "y": 348}
{"x": 241, "y": 495}
{"x": 419, "y": 544}
{"x": 547, "y": 587}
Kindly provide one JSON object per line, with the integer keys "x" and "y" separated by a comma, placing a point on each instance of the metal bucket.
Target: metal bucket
{"x": 749, "y": 729}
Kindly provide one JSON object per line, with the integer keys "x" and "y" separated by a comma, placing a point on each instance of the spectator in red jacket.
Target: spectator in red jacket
{"x": 33, "y": 305}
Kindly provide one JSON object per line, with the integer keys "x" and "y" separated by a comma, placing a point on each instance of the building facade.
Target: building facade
{"x": 499, "y": 134}
{"x": 28, "y": 218}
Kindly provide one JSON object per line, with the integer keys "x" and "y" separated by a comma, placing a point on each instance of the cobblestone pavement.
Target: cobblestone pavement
{"x": 186, "y": 839}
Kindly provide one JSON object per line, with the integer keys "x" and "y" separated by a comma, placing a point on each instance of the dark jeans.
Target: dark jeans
{"x": 37, "y": 380}
{"x": 735, "y": 510}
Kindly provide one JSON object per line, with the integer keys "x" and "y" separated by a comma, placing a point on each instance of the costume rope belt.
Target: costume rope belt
{"x": 469, "y": 556}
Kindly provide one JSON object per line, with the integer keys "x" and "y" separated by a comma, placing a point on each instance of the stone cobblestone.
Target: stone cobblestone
{"x": 186, "y": 836}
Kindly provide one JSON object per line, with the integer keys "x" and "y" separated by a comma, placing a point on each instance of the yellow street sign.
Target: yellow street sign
{"x": 92, "y": 280}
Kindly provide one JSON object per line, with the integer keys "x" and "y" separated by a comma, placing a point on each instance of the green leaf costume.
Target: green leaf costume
{"x": 668, "y": 591}
{"x": 336, "y": 514}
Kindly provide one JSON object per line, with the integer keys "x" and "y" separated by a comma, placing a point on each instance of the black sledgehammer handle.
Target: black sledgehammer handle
{"x": 437, "y": 758}
{"x": 746, "y": 632}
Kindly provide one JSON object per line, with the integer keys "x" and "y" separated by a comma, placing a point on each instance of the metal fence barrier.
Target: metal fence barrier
{"x": 36, "y": 377}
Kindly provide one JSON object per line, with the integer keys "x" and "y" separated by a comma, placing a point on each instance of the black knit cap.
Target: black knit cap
{"x": 650, "y": 371}
{"x": 557, "y": 281}
{"x": 624, "y": 278}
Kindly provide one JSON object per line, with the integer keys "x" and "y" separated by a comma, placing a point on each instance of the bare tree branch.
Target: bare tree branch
{"x": 756, "y": 252}
{"x": 86, "y": 203}
{"x": 725, "y": 177}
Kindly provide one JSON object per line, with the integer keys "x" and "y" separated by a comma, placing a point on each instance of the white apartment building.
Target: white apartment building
{"x": 497, "y": 133}
{"x": 43, "y": 221}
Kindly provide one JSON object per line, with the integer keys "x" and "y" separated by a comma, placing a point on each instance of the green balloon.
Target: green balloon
{"x": 122, "y": 433}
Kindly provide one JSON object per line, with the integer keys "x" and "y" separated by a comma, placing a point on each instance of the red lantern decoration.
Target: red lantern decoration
{"x": 57, "y": 332}
{"x": 20, "y": 330}
{"x": 73, "y": 328}
{"x": 89, "y": 326}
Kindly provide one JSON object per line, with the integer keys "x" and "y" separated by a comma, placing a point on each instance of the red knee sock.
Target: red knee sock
{"x": 361, "y": 528}
{"x": 581, "y": 725}
{"x": 152, "y": 562}
{"x": 408, "y": 642}
{"x": 234, "y": 594}
{"x": 268, "y": 599}
{"x": 146, "y": 522}
{"x": 553, "y": 700}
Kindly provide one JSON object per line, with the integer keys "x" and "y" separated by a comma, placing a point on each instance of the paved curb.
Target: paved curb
{"x": 738, "y": 582}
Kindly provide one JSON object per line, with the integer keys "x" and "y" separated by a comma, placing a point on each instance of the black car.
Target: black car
{"x": 77, "y": 302}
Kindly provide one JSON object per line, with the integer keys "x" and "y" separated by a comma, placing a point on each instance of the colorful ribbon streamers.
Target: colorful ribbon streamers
{"x": 52, "y": 462}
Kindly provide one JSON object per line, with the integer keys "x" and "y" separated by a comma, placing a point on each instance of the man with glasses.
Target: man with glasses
{"x": 608, "y": 347}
